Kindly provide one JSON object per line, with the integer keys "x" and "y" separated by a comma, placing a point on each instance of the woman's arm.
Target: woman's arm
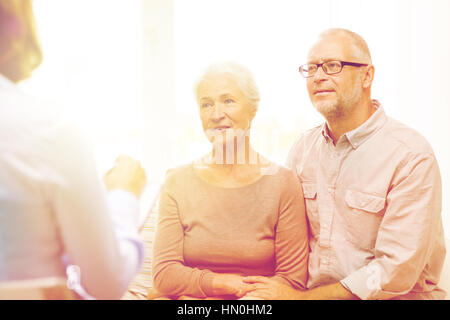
{"x": 291, "y": 243}
{"x": 292, "y": 250}
{"x": 170, "y": 275}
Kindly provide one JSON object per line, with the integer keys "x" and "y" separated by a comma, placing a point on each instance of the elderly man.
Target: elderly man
{"x": 372, "y": 188}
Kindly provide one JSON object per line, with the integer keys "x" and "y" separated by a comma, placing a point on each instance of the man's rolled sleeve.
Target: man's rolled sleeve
{"x": 366, "y": 283}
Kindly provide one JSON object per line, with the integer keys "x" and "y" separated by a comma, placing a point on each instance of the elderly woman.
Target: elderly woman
{"x": 53, "y": 209}
{"x": 232, "y": 213}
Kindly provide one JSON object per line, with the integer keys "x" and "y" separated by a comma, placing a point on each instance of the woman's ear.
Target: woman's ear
{"x": 253, "y": 110}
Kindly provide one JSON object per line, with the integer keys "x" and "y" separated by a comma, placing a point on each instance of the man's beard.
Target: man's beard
{"x": 340, "y": 107}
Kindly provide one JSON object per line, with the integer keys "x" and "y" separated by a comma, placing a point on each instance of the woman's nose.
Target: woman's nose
{"x": 218, "y": 113}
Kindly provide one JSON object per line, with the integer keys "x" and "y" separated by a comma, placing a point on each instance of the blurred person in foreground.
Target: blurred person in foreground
{"x": 372, "y": 188}
{"x": 231, "y": 213}
{"x": 54, "y": 211}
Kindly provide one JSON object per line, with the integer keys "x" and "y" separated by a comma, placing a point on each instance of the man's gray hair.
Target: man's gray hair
{"x": 360, "y": 46}
{"x": 241, "y": 74}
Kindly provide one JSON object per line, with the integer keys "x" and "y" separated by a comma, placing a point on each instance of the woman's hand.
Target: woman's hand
{"x": 127, "y": 174}
{"x": 229, "y": 284}
{"x": 268, "y": 289}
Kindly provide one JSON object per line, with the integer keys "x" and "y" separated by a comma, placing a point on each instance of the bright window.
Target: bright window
{"x": 125, "y": 69}
{"x": 92, "y": 67}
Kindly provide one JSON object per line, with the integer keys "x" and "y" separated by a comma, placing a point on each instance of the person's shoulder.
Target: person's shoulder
{"x": 285, "y": 177}
{"x": 30, "y": 110}
{"x": 178, "y": 175}
{"x": 307, "y": 137}
{"x": 304, "y": 140}
{"x": 285, "y": 184}
{"x": 311, "y": 133}
{"x": 406, "y": 137}
{"x": 34, "y": 125}
{"x": 284, "y": 172}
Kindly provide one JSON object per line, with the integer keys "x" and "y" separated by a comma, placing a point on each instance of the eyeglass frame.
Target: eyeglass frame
{"x": 319, "y": 65}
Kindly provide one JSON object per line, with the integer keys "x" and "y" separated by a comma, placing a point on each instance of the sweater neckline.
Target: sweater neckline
{"x": 197, "y": 177}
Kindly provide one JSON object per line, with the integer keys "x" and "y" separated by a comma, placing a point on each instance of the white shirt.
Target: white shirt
{"x": 53, "y": 206}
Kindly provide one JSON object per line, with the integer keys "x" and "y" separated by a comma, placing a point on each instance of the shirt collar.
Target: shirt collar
{"x": 357, "y": 136}
{"x": 325, "y": 133}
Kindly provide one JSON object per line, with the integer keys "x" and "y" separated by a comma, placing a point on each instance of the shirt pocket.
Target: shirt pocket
{"x": 312, "y": 211}
{"x": 363, "y": 218}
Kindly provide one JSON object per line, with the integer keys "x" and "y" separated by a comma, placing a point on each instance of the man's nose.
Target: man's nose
{"x": 320, "y": 75}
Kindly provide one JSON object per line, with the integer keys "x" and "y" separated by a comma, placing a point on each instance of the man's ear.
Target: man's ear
{"x": 368, "y": 77}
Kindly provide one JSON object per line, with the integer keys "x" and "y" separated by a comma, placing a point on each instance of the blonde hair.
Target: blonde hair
{"x": 241, "y": 74}
{"x": 20, "y": 50}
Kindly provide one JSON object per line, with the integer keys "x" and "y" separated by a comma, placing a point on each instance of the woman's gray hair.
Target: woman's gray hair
{"x": 241, "y": 74}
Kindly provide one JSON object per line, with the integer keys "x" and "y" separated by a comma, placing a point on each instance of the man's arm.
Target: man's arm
{"x": 408, "y": 234}
{"x": 335, "y": 291}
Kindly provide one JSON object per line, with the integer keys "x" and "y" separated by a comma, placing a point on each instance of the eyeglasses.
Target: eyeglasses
{"x": 330, "y": 67}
